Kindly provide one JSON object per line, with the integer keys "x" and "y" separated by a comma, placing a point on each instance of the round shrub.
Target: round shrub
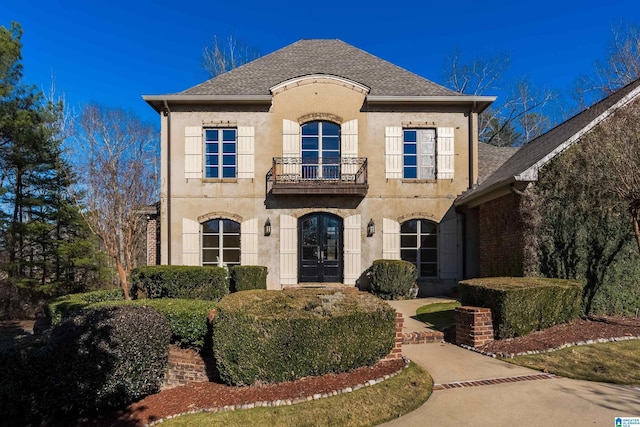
{"x": 392, "y": 279}
{"x": 70, "y": 305}
{"x": 179, "y": 281}
{"x": 265, "y": 336}
{"x": 106, "y": 357}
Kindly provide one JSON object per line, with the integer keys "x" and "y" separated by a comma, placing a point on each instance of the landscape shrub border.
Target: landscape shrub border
{"x": 265, "y": 336}
{"x": 67, "y": 306}
{"x": 179, "y": 281}
{"x": 520, "y": 305}
{"x": 247, "y": 277}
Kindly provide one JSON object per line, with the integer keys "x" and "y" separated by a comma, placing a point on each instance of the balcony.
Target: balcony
{"x": 296, "y": 176}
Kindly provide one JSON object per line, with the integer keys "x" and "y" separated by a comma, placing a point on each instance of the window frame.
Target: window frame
{"x": 418, "y": 248}
{"x": 327, "y": 167}
{"x": 220, "y": 248}
{"x": 418, "y": 154}
{"x": 220, "y": 153}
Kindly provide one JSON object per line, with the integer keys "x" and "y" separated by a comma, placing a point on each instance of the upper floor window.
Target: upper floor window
{"x": 419, "y": 154}
{"x": 419, "y": 245}
{"x": 221, "y": 150}
{"x": 320, "y": 150}
{"x": 220, "y": 242}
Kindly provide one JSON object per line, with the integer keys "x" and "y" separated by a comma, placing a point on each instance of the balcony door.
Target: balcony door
{"x": 320, "y": 151}
{"x": 320, "y": 248}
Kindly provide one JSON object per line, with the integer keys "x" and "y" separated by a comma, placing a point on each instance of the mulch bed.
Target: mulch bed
{"x": 578, "y": 331}
{"x": 206, "y": 395}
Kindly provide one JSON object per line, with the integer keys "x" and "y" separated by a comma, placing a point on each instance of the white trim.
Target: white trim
{"x": 352, "y": 249}
{"x": 288, "y": 250}
{"x": 445, "y": 153}
{"x": 249, "y": 242}
{"x": 190, "y": 242}
{"x": 193, "y": 147}
{"x": 390, "y": 239}
{"x": 393, "y": 150}
{"x": 245, "y": 152}
{"x": 349, "y": 145}
{"x": 302, "y": 79}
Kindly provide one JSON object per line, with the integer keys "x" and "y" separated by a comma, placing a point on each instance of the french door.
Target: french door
{"x": 320, "y": 248}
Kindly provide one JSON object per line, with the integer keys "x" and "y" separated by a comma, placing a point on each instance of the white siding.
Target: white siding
{"x": 288, "y": 250}
{"x": 448, "y": 246}
{"x": 193, "y": 152}
{"x": 246, "y": 150}
{"x": 249, "y": 242}
{"x": 352, "y": 249}
{"x": 446, "y": 153}
{"x": 393, "y": 152}
{"x": 349, "y": 145}
{"x": 190, "y": 242}
{"x": 390, "y": 239}
{"x": 291, "y": 145}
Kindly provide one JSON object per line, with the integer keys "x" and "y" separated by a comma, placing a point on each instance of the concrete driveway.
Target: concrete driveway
{"x": 509, "y": 395}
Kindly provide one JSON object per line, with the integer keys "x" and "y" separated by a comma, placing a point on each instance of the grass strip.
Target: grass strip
{"x": 439, "y": 315}
{"x": 368, "y": 406}
{"x": 615, "y": 362}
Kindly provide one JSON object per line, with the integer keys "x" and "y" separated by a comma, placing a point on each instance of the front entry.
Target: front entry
{"x": 320, "y": 248}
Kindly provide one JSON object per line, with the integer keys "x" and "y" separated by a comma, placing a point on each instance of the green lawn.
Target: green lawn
{"x": 365, "y": 407}
{"x": 615, "y": 362}
{"x": 438, "y": 316}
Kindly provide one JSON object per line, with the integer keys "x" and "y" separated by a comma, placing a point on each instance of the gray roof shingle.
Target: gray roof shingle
{"x": 490, "y": 158}
{"x": 534, "y": 154}
{"x": 319, "y": 56}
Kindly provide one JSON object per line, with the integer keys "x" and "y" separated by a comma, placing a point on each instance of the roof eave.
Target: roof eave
{"x": 157, "y": 102}
{"x": 478, "y": 103}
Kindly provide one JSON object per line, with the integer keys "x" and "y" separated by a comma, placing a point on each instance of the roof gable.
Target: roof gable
{"x": 319, "y": 56}
{"x": 524, "y": 165}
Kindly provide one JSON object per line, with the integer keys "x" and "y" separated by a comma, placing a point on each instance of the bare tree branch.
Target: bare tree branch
{"x": 220, "y": 57}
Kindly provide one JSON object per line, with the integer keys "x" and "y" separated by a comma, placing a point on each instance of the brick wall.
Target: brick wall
{"x": 473, "y": 326}
{"x": 187, "y": 366}
{"x": 501, "y": 238}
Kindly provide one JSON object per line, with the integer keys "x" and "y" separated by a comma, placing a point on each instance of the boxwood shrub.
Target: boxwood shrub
{"x": 173, "y": 281}
{"x": 392, "y": 279}
{"x": 265, "y": 336}
{"x": 247, "y": 277}
{"x": 520, "y": 305}
{"x": 104, "y": 358}
{"x": 69, "y": 305}
{"x": 188, "y": 319}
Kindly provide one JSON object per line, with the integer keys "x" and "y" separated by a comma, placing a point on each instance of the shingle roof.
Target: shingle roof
{"x": 319, "y": 56}
{"x": 524, "y": 164}
{"x": 490, "y": 158}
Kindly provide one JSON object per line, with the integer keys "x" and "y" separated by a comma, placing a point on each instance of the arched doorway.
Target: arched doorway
{"x": 320, "y": 248}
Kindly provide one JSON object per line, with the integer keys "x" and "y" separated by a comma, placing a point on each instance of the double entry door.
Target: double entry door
{"x": 320, "y": 248}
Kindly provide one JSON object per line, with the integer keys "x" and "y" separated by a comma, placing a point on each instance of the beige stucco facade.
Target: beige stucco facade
{"x": 264, "y": 130}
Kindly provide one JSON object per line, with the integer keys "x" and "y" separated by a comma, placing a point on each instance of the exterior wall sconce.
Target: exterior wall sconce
{"x": 371, "y": 228}
{"x": 267, "y": 227}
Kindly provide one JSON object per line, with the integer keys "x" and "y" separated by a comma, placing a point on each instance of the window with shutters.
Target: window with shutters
{"x": 221, "y": 242}
{"x": 419, "y": 154}
{"x": 320, "y": 150}
{"x": 419, "y": 245}
{"x": 221, "y": 150}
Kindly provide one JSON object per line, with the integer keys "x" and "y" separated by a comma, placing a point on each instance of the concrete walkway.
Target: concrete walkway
{"x": 528, "y": 399}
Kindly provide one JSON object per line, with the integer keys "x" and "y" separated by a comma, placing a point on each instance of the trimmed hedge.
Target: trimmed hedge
{"x": 173, "y": 281}
{"x": 107, "y": 357}
{"x": 520, "y": 305}
{"x": 265, "y": 336}
{"x": 66, "y": 306}
{"x": 247, "y": 277}
{"x": 392, "y": 279}
{"x": 188, "y": 319}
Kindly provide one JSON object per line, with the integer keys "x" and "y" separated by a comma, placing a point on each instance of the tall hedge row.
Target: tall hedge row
{"x": 520, "y": 305}
{"x": 171, "y": 281}
{"x": 272, "y": 336}
{"x": 247, "y": 277}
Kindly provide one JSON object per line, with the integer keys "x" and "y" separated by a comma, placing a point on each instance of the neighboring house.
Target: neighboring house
{"x": 316, "y": 160}
{"x": 494, "y": 225}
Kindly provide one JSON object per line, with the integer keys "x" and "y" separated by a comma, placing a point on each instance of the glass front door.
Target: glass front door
{"x": 320, "y": 248}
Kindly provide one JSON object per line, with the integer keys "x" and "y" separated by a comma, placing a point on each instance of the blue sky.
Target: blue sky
{"x": 112, "y": 52}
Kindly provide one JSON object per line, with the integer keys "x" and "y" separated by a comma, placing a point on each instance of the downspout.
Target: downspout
{"x": 167, "y": 114}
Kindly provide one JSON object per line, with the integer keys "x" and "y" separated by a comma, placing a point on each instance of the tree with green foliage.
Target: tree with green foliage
{"x": 40, "y": 231}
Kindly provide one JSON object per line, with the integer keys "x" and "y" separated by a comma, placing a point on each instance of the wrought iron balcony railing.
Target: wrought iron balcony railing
{"x": 329, "y": 176}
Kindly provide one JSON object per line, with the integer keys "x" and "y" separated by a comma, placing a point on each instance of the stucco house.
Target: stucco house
{"x": 316, "y": 160}
{"x": 495, "y": 227}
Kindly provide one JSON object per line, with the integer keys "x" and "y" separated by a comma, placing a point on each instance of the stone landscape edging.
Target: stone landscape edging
{"x": 284, "y": 402}
{"x": 563, "y": 346}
